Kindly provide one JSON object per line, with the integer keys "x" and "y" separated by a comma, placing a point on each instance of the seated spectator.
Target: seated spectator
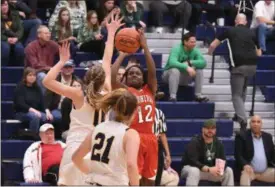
{"x": 11, "y": 33}
{"x": 35, "y": 4}
{"x": 41, "y": 53}
{"x": 263, "y": 21}
{"x": 105, "y": 8}
{"x": 62, "y": 30}
{"x": 166, "y": 176}
{"x": 66, "y": 108}
{"x": 42, "y": 159}
{"x": 180, "y": 9}
{"x": 133, "y": 13}
{"x": 199, "y": 159}
{"x": 255, "y": 154}
{"x": 185, "y": 63}
{"x": 30, "y": 24}
{"x": 89, "y": 37}
{"x": 212, "y": 7}
{"x": 120, "y": 74}
{"x": 77, "y": 11}
{"x": 53, "y": 101}
{"x": 28, "y": 101}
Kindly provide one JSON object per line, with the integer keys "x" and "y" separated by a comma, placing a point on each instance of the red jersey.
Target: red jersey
{"x": 145, "y": 113}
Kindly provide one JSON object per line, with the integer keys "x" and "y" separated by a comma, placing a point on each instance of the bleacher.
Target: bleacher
{"x": 184, "y": 118}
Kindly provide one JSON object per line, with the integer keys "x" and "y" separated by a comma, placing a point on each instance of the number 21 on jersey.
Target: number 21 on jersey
{"x": 145, "y": 114}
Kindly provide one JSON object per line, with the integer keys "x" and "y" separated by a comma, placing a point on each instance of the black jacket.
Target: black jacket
{"x": 244, "y": 149}
{"x": 194, "y": 154}
{"x": 52, "y": 99}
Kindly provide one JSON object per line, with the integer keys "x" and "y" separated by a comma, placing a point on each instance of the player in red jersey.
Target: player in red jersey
{"x": 145, "y": 114}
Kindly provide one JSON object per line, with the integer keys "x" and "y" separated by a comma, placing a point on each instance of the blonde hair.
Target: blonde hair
{"x": 93, "y": 82}
{"x": 122, "y": 102}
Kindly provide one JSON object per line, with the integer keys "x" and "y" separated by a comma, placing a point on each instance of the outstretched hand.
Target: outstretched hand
{"x": 114, "y": 23}
{"x": 64, "y": 52}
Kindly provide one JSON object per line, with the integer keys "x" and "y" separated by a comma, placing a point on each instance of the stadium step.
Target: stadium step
{"x": 269, "y": 93}
{"x": 184, "y": 110}
{"x": 188, "y": 128}
{"x": 9, "y": 128}
{"x": 230, "y": 115}
{"x": 171, "y": 110}
{"x": 259, "y": 107}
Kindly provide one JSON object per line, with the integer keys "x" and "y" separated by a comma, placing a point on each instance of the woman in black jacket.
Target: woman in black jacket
{"x": 28, "y": 101}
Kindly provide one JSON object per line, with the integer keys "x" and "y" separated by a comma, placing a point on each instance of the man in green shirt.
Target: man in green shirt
{"x": 185, "y": 64}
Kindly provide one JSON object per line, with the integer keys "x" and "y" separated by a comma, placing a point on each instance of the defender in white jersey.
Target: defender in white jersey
{"x": 85, "y": 107}
{"x": 113, "y": 146}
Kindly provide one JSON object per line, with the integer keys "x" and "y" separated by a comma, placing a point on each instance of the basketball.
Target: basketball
{"x": 127, "y": 40}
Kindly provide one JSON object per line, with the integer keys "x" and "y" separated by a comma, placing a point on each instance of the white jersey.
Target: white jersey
{"x": 83, "y": 121}
{"x": 108, "y": 159}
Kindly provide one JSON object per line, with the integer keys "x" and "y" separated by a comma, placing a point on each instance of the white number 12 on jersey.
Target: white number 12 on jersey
{"x": 148, "y": 117}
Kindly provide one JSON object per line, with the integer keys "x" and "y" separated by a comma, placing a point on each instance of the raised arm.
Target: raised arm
{"x": 112, "y": 26}
{"x": 150, "y": 63}
{"x": 50, "y": 80}
{"x": 115, "y": 67}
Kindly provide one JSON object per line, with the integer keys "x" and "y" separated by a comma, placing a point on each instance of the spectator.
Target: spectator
{"x": 120, "y": 74}
{"x": 53, "y": 101}
{"x": 90, "y": 37}
{"x": 105, "y": 8}
{"x": 41, "y": 53}
{"x": 133, "y": 13}
{"x": 77, "y": 11}
{"x": 212, "y": 7}
{"x": 255, "y": 154}
{"x": 230, "y": 8}
{"x": 28, "y": 101}
{"x": 34, "y": 4}
{"x": 243, "y": 63}
{"x": 166, "y": 176}
{"x": 11, "y": 34}
{"x": 30, "y": 24}
{"x": 263, "y": 21}
{"x": 66, "y": 107}
{"x": 200, "y": 157}
{"x": 92, "y": 4}
{"x": 62, "y": 30}
{"x": 185, "y": 63}
{"x": 42, "y": 158}
{"x": 180, "y": 9}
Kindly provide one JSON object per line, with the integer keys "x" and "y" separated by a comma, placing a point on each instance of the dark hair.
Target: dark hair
{"x": 93, "y": 82}
{"x": 122, "y": 102}
{"x": 3, "y": 1}
{"x": 60, "y": 24}
{"x": 88, "y": 18}
{"x": 140, "y": 68}
{"x": 187, "y": 36}
{"x": 26, "y": 72}
{"x": 121, "y": 67}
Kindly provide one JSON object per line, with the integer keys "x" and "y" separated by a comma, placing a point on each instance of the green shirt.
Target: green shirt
{"x": 178, "y": 56}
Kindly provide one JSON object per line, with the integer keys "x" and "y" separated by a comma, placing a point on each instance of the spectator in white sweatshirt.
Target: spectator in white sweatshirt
{"x": 42, "y": 159}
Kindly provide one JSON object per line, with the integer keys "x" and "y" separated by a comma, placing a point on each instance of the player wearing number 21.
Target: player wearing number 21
{"x": 113, "y": 146}
{"x": 144, "y": 116}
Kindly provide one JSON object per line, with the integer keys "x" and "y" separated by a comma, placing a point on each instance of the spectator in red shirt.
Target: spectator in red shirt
{"x": 42, "y": 159}
{"x": 40, "y": 54}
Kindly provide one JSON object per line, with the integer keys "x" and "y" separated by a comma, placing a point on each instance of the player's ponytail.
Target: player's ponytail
{"x": 121, "y": 102}
{"x": 94, "y": 80}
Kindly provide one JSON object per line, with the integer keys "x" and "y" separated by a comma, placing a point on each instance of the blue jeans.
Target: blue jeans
{"x": 33, "y": 121}
{"x": 12, "y": 54}
{"x": 56, "y": 116}
{"x": 39, "y": 77}
{"x": 263, "y": 33}
{"x": 30, "y": 27}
